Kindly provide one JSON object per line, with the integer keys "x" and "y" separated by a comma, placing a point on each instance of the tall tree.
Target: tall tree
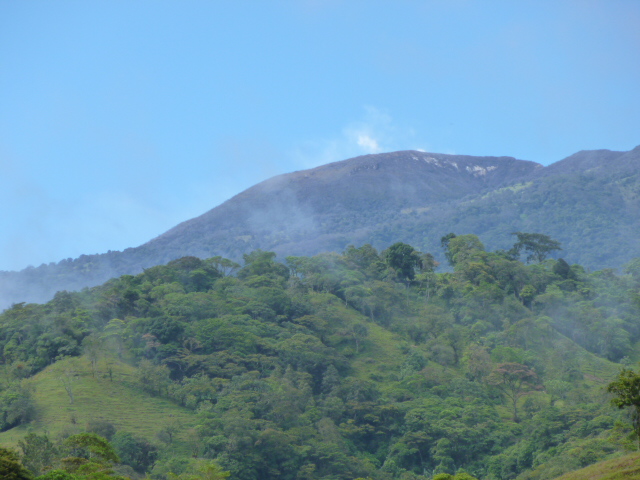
{"x": 514, "y": 381}
{"x": 626, "y": 388}
{"x": 465, "y": 249}
{"x": 536, "y": 245}
{"x": 259, "y": 262}
{"x": 93, "y": 348}
{"x": 10, "y": 466}
{"x": 404, "y": 260}
{"x": 38, "y": 452}
{"x": 444, "y": 242}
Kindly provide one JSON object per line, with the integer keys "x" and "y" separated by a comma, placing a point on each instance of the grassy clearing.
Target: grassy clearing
{"x": 622, "y": 468}
{"x": 379, "y": 353}
{"x": 115, "y": 400}
{"x": 382, "y": 354}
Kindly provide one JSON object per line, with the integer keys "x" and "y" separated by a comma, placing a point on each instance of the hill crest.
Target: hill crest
{"x": 589, "y": 201}
{"x": 399, "y": 179}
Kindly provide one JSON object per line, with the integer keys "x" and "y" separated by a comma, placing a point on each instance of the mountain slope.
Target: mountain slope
{"x": 589, "y": 201}
{"x": 315, "y": 206}
{"x": 623, "y": 468}
{"x": 95, "y": 398}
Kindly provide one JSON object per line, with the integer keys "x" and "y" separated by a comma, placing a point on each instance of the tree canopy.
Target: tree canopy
{"x": 536, "y": 245}
{"x": 364, "y": 364}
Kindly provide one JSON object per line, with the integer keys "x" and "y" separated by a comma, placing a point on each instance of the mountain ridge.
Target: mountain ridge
{"x": 334, "y": 182}
{"x": 589, "y": 201}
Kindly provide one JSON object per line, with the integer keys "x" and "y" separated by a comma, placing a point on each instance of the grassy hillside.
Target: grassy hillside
{"x": 623, "y": 468}
{"x": 114, "y": 399}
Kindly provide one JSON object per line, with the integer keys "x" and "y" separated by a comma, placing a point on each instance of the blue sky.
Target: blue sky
{"x": 120, "y": 119}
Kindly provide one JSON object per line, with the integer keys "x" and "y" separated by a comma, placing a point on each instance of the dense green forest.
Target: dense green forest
{"x": 361, "y": 365}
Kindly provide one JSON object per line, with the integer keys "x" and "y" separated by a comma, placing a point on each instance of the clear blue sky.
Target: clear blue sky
{"x": 120, "y": 119}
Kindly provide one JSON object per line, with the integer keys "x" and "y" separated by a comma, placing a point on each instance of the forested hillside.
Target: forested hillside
{"x": 589, "y": 201}
{"x": 363, "y": 364}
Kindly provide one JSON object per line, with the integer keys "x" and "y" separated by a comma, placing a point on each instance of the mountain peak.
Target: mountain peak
{"x": 303, "y": 206}
{"x": 604, "y": 162}
{"x": 412, "y": 162}
{"x": 410, "y": 196}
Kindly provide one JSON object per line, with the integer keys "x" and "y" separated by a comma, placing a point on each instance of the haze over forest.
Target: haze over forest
{"x": 588, "y": 201}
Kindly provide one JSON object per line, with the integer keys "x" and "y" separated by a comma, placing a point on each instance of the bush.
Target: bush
{"x": 101, "y": 427}
{"x": 136, "y": 452}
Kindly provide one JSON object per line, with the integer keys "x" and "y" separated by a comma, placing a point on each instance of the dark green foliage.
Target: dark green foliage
{"x": 135, "y": 452}
{"x": 90, "y": 447}
{"x": 366, "y": 260}
{"x": 354, "y": 365}
{"x": 259, "y": 263}
{"x": 165, "y": 329}
{"x": 563, "y": 270}
{"x": 536, "y": 245}
{"x": 444, "y": 243}
{"x": 513, "y": 380}
{"x": 102, "y": 428}
{"x": 83, "y": 456}
{"x": 404, "y": 259}
{"x": 38, "y": 452}
{"x": 466, "y": 251}
{"x": 16, "y": 405}
{"x": 10, "y": 466}
{"x": 58, "y": 475}
{"x": 626, "y": 388}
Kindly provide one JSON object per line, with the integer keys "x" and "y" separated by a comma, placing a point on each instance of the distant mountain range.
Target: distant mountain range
{"x": 590, "y": 202}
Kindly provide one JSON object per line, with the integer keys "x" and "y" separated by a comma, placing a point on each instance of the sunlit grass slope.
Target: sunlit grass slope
{"x": 113, "y": 399}
{"x": 623, "y": 468}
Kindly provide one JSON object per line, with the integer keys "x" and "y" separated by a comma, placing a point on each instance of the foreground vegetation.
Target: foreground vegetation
{"x": 623, "y": 468}
{"x": 347, "y": 366}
